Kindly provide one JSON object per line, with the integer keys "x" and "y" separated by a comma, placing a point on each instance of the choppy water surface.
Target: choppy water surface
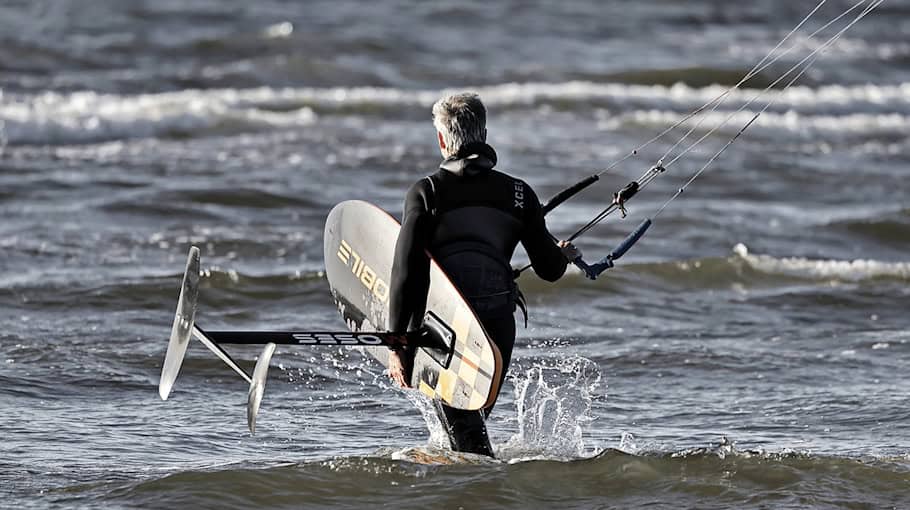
{"x": 751, "y": 351}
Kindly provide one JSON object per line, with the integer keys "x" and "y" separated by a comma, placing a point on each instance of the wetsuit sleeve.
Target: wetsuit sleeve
{"x": 546, "y": 257}
{"x": 411, "y": 267}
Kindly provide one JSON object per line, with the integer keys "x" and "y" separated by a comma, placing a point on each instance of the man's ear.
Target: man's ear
{"x": 442, "y": 143}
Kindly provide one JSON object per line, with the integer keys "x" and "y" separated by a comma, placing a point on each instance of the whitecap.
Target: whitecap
{"x": 86, "y": 116}
{"x": 824, "y": 269}
{"x": 83, "y": 117}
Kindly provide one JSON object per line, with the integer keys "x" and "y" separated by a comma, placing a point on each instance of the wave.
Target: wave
{"x": 827, "y": 270}
{"x": 791, "y": 121}
{"x": 742, "y": 269}
{"x": 89, "y": 288}
{"x": 890, "y": 230}
{"x": 88, "y": 117}
{"x": 85, "y": 117}
{"x": 690, "y": 76}
{"x": 195, "y": 203}
{"x": 716, "y": 475}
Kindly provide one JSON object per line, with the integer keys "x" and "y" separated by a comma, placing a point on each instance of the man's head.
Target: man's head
{"x": 459, "y": 119}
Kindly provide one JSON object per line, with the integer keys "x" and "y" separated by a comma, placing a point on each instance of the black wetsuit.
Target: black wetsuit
{"x": 470, "y": 218}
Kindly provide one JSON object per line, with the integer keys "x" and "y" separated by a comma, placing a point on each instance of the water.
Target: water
{"x": 750, "y": 352}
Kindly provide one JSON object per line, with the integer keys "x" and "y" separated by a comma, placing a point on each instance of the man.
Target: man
{"x": 470, "y": 217}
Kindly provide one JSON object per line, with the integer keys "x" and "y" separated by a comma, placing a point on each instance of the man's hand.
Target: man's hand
{"x": 396, "y": 369}
{"x": 569, "y": 251}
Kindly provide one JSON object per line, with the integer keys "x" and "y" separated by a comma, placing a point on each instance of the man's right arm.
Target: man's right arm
{"x": 546, "y": 256}
{"x": 410, "y": 280}
{"x": 411, "y": 267}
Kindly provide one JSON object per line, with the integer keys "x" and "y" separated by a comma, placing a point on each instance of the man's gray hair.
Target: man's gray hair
{"x": 462, "y": 119}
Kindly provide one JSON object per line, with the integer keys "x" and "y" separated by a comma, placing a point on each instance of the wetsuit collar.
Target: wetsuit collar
{"x": 473, "y": 159}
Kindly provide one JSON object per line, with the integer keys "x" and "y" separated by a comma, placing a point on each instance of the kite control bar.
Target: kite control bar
{"x": 592, "y": 271}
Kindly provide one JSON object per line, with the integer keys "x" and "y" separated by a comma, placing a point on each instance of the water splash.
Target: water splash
{"x": 627, "y": 443}
{"x": 553, "y": 400}
{"x": 438, "y": 436}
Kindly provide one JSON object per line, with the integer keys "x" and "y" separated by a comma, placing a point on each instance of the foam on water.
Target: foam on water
{"x": 81, "y": 117}
{"x": 84, "y": 117}
{"x": 853, "y": 271}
